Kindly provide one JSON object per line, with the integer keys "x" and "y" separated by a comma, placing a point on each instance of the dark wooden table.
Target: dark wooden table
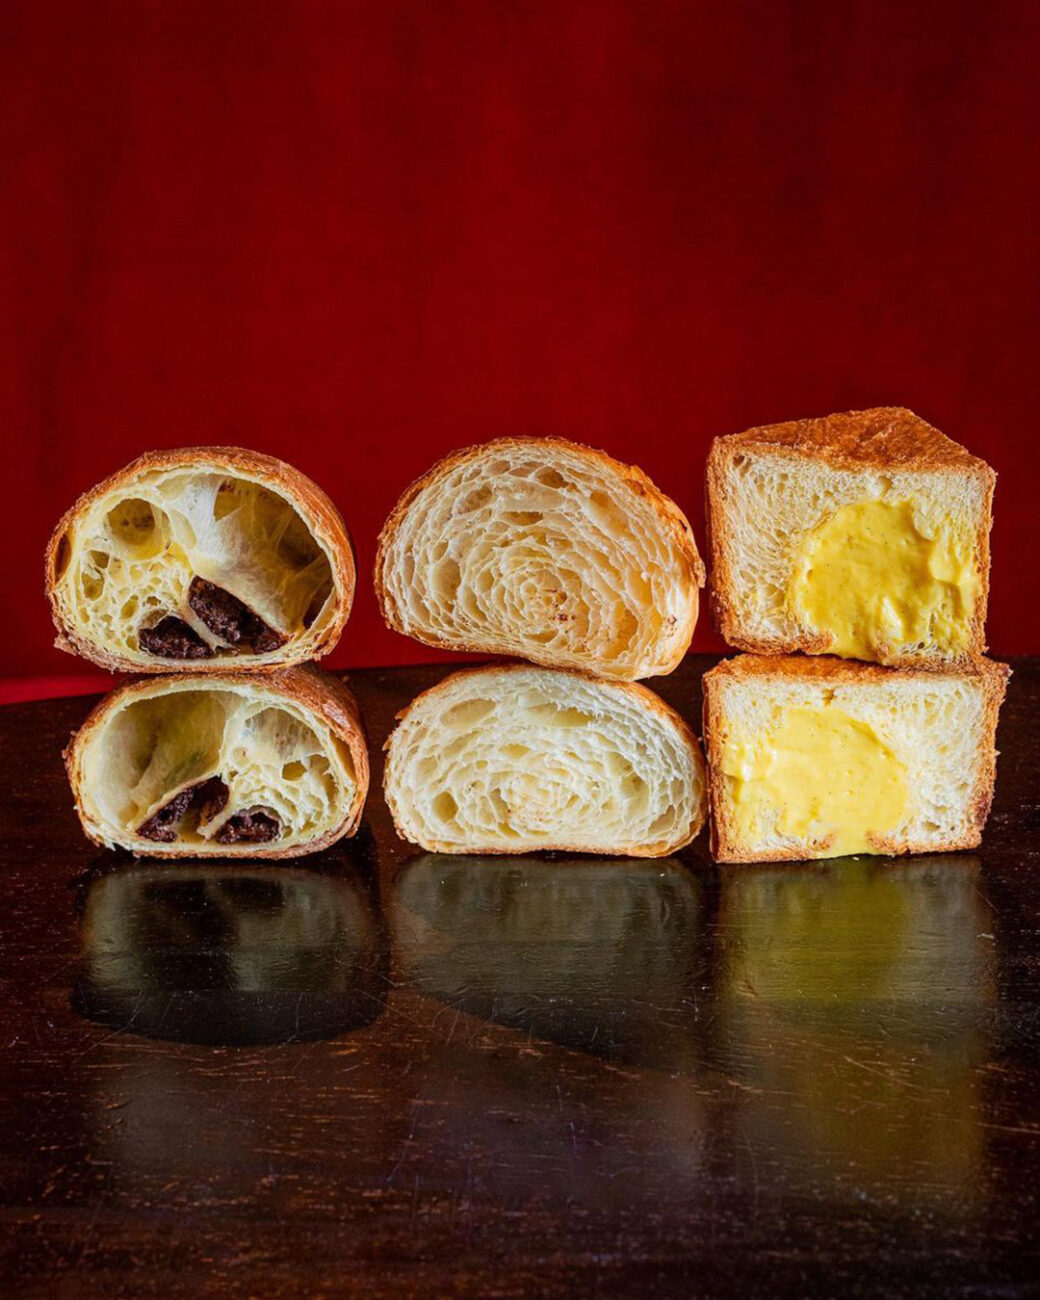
{"x": 386, "y": 1073}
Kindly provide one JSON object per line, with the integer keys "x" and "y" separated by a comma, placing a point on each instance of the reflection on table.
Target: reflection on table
{"x": 605, "y": 956}
{"x": 854, "y": 1005}
{"x": 230, "y": 955}
{"x": 581, "y": 978}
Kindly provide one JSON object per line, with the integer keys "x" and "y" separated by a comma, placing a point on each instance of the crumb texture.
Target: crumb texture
{"x": 917, "y": 746}
{"x": 194, "y": 562}
{"x": 808, "y": 524}
{"x": 547, "y": 551}
{"x": 516, "y": 760}
{"x": 218, "y": 769}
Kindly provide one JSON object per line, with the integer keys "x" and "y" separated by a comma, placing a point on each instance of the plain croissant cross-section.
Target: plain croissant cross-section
{"x": 544, "y": 550}
{"x": 516, "y": 759}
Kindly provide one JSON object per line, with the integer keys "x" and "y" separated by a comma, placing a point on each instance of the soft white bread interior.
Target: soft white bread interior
{"x": 546, "y": 550}
{"x": 201, "y": 559}
{"x": 516, "y": 759}
{"x": 863, "y": 534}
{"x": 819, "y": 757}
{"x": 236, "y": 765}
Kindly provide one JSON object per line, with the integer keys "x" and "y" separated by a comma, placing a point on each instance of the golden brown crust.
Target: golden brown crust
{"x": 884, "y": 437}
{"x": 828, "y": 668}
{"x": 314, "y": 506}
{"x": 670, "y": 516}
{"x": 880, "y": 437}
{"x": 318, "y": 692}
{"x": 726, "y": 845}
{"x": 635, "y": 690}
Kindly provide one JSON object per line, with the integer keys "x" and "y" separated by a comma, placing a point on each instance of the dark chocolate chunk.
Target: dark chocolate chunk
{"x": 231, "y": 619}
{"x": 267, "y": 639}
{"x": 251, "y": 826}
{"x": 172, "y": 638}
{"x": 164, "y": 824}
{"x": 222, "y": 613}
{"x": 208, "y": 797}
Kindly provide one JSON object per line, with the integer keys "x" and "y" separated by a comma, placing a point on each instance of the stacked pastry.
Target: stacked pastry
{"x": 553, "y": 553}
{"x": 859, "y": 540}
{"x": 862, "y": 541}
{"x": 216, "y": 573}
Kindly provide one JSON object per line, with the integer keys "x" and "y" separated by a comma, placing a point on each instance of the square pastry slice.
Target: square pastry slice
{"x": 864, "y": 535}
{"x": 817, "y": 757}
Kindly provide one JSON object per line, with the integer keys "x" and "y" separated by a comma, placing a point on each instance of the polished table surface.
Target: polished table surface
{"x": 383, "y": 1072}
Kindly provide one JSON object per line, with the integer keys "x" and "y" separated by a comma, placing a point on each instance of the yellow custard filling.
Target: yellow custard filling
{"x": 868, "y": 576}
{"x": 820, "y": 776}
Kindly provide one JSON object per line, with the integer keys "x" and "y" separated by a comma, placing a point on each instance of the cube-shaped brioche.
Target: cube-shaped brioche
{"x": 821, "y": 757}
{"x": 864, "y": 535}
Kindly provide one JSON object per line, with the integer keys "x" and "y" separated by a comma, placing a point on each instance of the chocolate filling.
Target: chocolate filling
{"x": 172, "y": 638}
{"x": 230, "y": 619}
{"x": 207, "y": 798}
{"x": 211, "y": 798}
{"x": 252, "y": 826}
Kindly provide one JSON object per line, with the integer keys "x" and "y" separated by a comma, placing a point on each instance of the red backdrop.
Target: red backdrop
{"x": 357, "y": 235}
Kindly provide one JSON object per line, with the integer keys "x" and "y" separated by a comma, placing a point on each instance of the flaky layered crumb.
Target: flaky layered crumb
{"x": 176, "y": 766}
{"x": 545, "y": 550}
{"x": 511, "y": 760}
{"x": 200, "y": 559}
{"x": 785, "y": 502}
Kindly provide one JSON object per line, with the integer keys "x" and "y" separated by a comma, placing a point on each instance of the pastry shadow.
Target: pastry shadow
{"x": 230, "y": 955}
{"x": 605, "y": 956}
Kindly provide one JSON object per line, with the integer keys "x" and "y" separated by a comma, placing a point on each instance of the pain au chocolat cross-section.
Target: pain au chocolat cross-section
{"x": 201, "y": 560}
{"x": 262, "y": 765}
